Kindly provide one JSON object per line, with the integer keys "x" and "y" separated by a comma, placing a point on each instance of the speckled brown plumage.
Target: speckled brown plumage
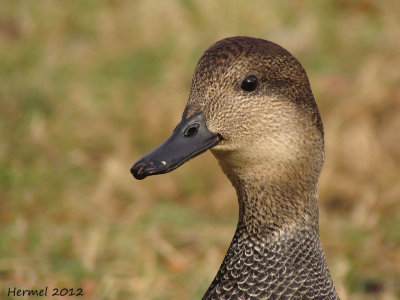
{"x": 273, "y": 151}
{"x": 292, "y": 267}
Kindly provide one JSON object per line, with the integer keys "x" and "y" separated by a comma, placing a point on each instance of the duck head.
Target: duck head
{"x": 251, "y": 102}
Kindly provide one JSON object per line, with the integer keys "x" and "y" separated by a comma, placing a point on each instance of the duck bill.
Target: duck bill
{"x": 190, "y": 138}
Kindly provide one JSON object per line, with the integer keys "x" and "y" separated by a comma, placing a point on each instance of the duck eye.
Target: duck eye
{"x": 249, "y": 84}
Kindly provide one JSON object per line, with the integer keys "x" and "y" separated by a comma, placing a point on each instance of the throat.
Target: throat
{"x": 268, "y": 208}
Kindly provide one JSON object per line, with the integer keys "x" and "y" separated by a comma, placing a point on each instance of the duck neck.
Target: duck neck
{"x": 276, "y": 237}
{"x": 268, "y": 205}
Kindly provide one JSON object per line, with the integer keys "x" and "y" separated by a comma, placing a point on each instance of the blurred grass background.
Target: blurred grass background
{"x": 88, "y": 87}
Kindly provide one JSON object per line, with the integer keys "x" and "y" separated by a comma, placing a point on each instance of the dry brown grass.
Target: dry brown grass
{"x": 88, "y": 87}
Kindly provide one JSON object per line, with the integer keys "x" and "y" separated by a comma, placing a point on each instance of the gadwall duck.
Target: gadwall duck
{"x": 252, "y": 105}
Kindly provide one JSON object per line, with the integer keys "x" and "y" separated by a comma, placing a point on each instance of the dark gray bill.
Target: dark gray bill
{"x": 190, "y": 138}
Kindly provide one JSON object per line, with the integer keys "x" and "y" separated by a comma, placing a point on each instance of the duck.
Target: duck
{"x": 251, "y": 104}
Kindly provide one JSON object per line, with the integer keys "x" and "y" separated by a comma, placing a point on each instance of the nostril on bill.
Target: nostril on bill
{"x": 138, "y": 171}
{"x": 191, "y": 130}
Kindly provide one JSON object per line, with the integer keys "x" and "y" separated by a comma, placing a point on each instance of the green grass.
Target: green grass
{"x": 88, "y": 87}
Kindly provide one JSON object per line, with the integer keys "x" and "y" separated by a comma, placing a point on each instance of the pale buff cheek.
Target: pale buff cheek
{"x": 243, "y": 121}
{"x": 259, "y": 138}
{"x": 269, "y": 153}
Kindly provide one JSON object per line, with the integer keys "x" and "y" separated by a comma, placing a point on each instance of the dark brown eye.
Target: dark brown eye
{"x": 249, "y": 84}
